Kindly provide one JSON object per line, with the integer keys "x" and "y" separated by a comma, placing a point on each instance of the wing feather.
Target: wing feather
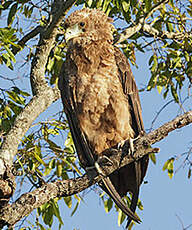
{"x": 131, "y": 92}
{"x": 82, "y": 146}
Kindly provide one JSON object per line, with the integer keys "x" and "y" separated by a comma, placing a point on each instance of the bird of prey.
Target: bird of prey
{"x": 101, "y": 101}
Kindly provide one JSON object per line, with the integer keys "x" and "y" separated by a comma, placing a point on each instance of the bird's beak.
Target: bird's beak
{"x": 72, "y": 32}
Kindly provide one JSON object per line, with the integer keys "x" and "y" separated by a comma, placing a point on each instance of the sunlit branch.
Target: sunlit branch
{"x": 11, "y": 214}
{"x": 149, "y": 29}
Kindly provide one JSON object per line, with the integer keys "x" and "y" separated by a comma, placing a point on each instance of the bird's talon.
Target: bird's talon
{"x": 121, "y": 144}
{"x": 105, "y": 160}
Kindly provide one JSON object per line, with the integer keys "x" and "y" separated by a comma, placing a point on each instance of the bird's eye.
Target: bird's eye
{"x": 82, "y": 24}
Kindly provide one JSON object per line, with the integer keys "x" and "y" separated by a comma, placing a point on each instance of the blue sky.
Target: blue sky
{"x": 166, "y": 201}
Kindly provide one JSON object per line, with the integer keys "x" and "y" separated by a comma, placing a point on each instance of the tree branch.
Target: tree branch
{"x": 46, "y": 43}
{"x": 26, "y": 38}
{"x": 136, "y": 28}
{"x": 45, "y": 95}
{"x": 11, "y": 214}
{"x": 149, "y": 29}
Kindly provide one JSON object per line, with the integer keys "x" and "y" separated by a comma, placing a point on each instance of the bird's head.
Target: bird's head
{"x": 88, "y": 25}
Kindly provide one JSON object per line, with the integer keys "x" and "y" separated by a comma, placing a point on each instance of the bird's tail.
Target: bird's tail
{"x": 110, "y": 189}
{"x": 135, "y": 195}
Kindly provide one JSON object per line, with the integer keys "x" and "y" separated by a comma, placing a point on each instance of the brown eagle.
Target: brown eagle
{"x": 101, "y": 101}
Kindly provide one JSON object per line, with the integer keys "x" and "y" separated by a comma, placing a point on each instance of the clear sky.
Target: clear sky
{"x": 167, "y": 202}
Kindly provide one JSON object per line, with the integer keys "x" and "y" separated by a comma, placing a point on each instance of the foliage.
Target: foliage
{"x": 41, "y": 156}
{"x": 169, "y": 167}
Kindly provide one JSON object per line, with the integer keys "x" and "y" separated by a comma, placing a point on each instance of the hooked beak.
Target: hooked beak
{"x": 72, "y": 32}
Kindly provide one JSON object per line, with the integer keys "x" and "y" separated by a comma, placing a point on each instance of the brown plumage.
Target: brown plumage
{"x": 101, "y": 100}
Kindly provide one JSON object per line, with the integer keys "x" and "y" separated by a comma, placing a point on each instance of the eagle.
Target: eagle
{"x": 101, "y": 102}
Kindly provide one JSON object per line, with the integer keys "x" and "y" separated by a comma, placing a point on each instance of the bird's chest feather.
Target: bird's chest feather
{"x": 102, "y": 107}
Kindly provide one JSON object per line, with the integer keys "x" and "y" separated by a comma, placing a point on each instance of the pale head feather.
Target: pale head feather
{"x": 97, "y": 26}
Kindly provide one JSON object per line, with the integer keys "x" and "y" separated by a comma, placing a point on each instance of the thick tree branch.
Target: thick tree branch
{"x": 35, "y": 107}
{"x": 46, "y": 43}
{"x": 11, "y": 214}
{"x": 45, "y": 95}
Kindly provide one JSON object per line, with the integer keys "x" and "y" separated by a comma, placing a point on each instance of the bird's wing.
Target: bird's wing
{"x": 67, "y": 95}
{"x": 131, "y": 92}
{"x": 81, "y": 143}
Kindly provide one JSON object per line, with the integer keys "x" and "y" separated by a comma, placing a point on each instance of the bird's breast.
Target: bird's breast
{"x": 103, "y": 110}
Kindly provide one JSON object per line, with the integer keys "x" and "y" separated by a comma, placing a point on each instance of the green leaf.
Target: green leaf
{"x": 152, "y": 82}
{"x": 7, "y": 61}
{"x": 125, "y": 6}
{"x": 11, "y": 55}
{"x": 53, "y": 131}
{"x": 155, "y": 63}
{"x": 52, "y": 164}
{"x": 12, "y": 13}
{"x": 68, "y": 201}
{"x": 16, "y": 98}
{"x": 52, "y": 145}
{"x": 48, "y": 216}
{"x": 174, "y": 93}
{"x": 140, "y": 205}
{"x": 56, "y": 211}
{"x": 169, "y": 26}
{"x": 121, "y": 217}
{"x": 108, "y": 204}
{"x": 159, "y": 88}
{"x": 75, "y": 209}
{"x": 36, "y": 154}
{"x": 99, "y": 3}
{"x": 15, "y": 108}
{"x": 50, "y": 64}
{"x": 170, "y": 170}
{"x": 152, "y": 157}
{"x": 89, "y": 2}
{"x": 165, "y": 165}
{"x": 69, "y": 144}
{"x": 169, "y": 167}
{"x": 59, "y": 169}
{"x": 147, "y": 5}
{"x": 131, "y": 225}
{"x": 41, "y": 227}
